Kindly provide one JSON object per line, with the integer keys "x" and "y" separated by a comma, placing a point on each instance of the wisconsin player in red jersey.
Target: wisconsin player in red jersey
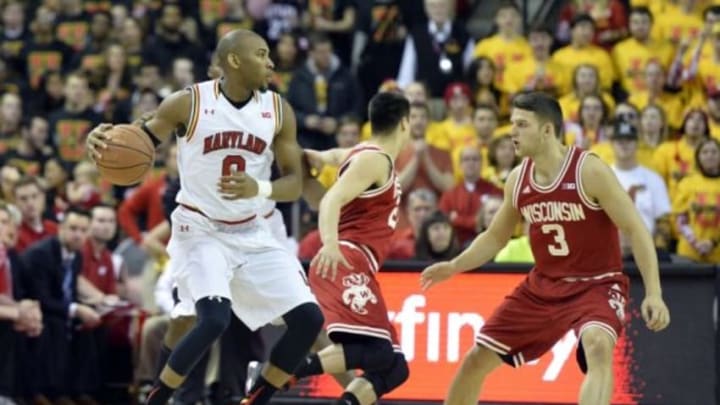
{"x": 574, "y": 205}
{"x": 358, "y": 215}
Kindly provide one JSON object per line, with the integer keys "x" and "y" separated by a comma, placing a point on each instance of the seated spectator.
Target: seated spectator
{"x": 32, "y": 151}
{"x": 540, "y": 72}
{"x": 673, "y": 104}
{"x": 501, "y": 160}
{"x": 585, "y": 82}
{"x": 18, "y": 316}
{"x": 98, "y": 267}
{"x": 487, "y": 212}
{"x": 675, "y": 159}
{"x": 436, "y": 240}
{"x": 30, "y": 199}
{"x": 420, "y": 204}
{"x": 56, "y": 175}
{"x": 481, "y": 77}
{"x": 9, "y": 176}
{"x": 695, "y": 205}
{"x": 582, "y": 51}
{"x": 646, "y": 188}
{"x": 63, "y": 367}
{"x": 462, "y": 202}
{"x": 593, "y": 117}
{"x": 457, "y": 126}
{"x": 84, "y": 191}
{"x": 419, "y": 164}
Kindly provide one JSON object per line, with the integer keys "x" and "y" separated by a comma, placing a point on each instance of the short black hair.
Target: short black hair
{"x": 75, "y": 210}
{"x": 318, "y": 38}
{"x": 386, "y": 110}
{"x": 582, "y": 18}
{"x": 545, "y": 107}
{"x": 643, "y": 10}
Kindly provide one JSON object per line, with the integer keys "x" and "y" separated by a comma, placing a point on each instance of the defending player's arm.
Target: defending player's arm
{"x": 485, "y": 246}
{"x": 313, "y": 190}
{"x": 366, "y": 170}
{"x": 615, "y": 201}
{"x": 159, "y": 125}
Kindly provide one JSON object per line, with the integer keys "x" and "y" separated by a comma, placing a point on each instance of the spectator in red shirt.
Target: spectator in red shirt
{"x": 420, "y": 204}
{"x": 462, "y": 202}
{"x": 97, "y": 261}
{"x": 147, "y": 200}
{"x": 610, "y": 19}
{"x": 30, "y": 199}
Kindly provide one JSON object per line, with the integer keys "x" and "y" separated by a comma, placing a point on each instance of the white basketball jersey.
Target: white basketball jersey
{"x": 221, "y": 137}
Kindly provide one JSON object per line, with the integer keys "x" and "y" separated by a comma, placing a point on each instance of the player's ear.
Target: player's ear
{"x": 233, "y": 60}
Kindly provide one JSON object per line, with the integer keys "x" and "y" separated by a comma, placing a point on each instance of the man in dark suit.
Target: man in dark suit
{"x": 19, "y": 317}
{"x": 65, "y": 357}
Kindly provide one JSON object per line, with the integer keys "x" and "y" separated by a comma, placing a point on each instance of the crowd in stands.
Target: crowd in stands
{"x": 84, "y": 298}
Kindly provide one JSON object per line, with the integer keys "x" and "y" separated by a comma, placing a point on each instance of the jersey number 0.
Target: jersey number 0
{"x": 231, "y": 162}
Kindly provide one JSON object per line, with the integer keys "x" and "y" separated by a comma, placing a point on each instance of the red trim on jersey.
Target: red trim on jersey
{"x": 580, "y": 189}
{"x": 242, "y": 221}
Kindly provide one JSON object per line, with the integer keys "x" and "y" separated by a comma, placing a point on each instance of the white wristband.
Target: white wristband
{"x": 264, "y": 188}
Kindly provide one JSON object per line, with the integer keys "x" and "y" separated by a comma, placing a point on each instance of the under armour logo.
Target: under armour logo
{"x": 568, "y": 186}
{"x": 266, "y": 115}
{"x": 526, "y": 190}
{"x": 210, "y": 111}
{"x": 184, "y": 228}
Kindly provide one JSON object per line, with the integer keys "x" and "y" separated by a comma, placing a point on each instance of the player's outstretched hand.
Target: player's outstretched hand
{"x": 327, "y": 259}
{"x": 436, "y": 273}
{"x": 95, "y": 141}
{"x": 237, "y": 185}
{"x": 655, "y": 313}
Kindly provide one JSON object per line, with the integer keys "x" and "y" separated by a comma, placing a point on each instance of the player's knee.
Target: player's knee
{"x": 482, "y": 360}
{"x": 213, "y": 314}
{"x": 371, "y": 355}
{"x": 386, "y": 380}
{"x": 598, "y": 347}
{"x": 305, "y": 319}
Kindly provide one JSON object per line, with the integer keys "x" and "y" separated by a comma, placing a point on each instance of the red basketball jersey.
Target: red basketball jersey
{"x": 369, "y": 220}
{"x": 570, "y": 235}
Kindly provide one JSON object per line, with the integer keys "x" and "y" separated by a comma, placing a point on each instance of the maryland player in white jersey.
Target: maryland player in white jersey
{"x": 224, "y": 256}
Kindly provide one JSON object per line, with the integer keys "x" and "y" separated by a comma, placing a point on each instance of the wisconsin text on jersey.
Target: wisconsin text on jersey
{"x": 553, "y": 211}
{"x": 234, "y": 140}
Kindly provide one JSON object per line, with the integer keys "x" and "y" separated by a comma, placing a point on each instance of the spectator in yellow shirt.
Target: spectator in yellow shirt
{"x": 672, "y": 103}
{"x": 347, "y": 136}
{"x": 678, "y": 22}
{"x": 485, "y": 123}
{"x": 457, "y": 128}
{"x": 590, "y": 126}
{"x": 676, "y": 159}
{"x": 540, "y": 72}
{"x": 585, "y": 82}
{"x": 582, "y": 51}
{"x": 633, "y": 54}
{"x": 506, "y": 47}
{"x": 697, "y": 207}
{"x": 713, "y": 107}
{"x": 481, "y": 76}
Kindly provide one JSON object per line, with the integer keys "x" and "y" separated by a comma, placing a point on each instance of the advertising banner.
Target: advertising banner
{"x": 437, "y": 327}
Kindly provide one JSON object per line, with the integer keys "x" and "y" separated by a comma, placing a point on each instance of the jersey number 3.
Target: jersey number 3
{"x": 560, "y": 247}
{"x": 231, "y": 162}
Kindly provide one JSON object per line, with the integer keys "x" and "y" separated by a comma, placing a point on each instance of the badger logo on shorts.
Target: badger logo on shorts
{"x": 357, "y": 294}
{"x": 617, "y": 301}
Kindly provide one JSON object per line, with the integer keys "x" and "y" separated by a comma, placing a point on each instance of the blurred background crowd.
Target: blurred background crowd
{"x": 83, "y": 297}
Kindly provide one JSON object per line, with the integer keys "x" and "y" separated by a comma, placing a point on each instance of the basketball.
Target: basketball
{"x": 129, "y": 156}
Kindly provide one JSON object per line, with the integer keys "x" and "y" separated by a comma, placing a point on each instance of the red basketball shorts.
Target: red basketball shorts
{"x": 353, "y": 303}
{"x": 540, "y": 311}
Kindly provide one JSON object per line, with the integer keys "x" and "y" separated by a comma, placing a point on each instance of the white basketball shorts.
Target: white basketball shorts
{"x": 244, "y": 263}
